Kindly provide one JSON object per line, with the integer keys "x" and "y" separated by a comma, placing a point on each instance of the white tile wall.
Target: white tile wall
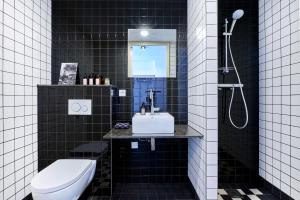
{"x": 173, "y": 59}
{"x": 279, "y": 94}
{"x": 202, "y": 96}
{"x": 25, "y": 61}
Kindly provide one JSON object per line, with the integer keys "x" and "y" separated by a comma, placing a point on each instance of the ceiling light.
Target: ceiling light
{"x": 144, "y": 33}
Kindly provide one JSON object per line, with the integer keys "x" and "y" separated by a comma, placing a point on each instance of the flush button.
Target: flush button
{"x": 84, "y": 108}
{"x": 76, "y": 107}
{"x": 79, "y": 106}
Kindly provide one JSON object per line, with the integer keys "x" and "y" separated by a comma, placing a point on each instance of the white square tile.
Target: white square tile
{"x": 13, "y": 53}
{"x": 295, "y": 194}
{"x": 256, "y": 191}
{"x": 253, "y": 197}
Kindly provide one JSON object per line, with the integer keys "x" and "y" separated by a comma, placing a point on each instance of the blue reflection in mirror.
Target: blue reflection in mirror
{"x": 149, "y": 60}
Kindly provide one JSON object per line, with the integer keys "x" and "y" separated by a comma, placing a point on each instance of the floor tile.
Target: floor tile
{"x": 220, "y": 198}
{"x": 253, "y": 197}
{"x": 222, "y": 192}
{"x": 256, "y": 191}
{"x": 241, "y": 191}
{"x": 149, "y": 191}
{"x": 244, "y": 193}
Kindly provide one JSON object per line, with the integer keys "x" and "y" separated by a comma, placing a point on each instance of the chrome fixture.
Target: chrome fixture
{"x": 238, "y": 14}
{"x": 151, "y": 96}
{"x": 228, "y": 85}
{"x": 235, "y": 16}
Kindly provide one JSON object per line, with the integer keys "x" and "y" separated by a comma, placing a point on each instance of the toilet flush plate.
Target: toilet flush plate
{"x": 79, "y": 107}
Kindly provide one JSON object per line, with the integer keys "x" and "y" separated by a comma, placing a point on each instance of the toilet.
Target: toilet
{"x": 64, "y": 179}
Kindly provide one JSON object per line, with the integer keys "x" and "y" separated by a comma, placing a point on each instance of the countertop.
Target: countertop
{"x": 181, "y": 131}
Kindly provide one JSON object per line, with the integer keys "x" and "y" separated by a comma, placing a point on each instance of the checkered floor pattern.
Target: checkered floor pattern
{"x": 244, "y": 194}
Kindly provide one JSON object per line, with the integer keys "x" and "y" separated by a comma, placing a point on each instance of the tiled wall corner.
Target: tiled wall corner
{"x": 202, "y": 96}
{"x": 279, "y": 94}
{"x": 25, "y": 61}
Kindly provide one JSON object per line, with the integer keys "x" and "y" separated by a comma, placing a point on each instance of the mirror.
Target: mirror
{"x": 152, "y": 53}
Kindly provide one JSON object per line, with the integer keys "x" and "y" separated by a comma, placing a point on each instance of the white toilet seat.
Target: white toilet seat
{"x": 63, "y": 179}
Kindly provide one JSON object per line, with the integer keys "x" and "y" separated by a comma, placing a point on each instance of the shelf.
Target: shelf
{"x": 181, "y": 131}
{"x": 229, "y": 85}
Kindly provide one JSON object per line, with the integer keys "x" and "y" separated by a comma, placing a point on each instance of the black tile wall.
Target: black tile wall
{"x": 238, "y": 149}
{"x": 62, "y": 136}
{"x": 167, "y": 164}
{"x": 94, "y": 34}
{"x": 274, "y": 190}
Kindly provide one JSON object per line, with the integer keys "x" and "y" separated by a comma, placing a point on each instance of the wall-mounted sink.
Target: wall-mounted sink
{"x": 153, "y": 124}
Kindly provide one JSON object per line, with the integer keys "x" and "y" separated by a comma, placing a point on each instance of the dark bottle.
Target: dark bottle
{"x": 143, "y": 109}
{"x": 102, "y": 80}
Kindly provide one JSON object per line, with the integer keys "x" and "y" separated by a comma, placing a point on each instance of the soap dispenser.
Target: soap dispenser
{"x": 143, "y": 109}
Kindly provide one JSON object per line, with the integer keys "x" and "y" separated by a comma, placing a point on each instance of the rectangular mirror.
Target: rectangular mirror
{"x": 152, "y": 53}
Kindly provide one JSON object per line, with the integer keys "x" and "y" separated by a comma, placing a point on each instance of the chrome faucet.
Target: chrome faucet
{"x": 153, "y": 109}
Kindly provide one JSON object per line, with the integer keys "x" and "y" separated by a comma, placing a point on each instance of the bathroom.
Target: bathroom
{"x": 149, "y": 99}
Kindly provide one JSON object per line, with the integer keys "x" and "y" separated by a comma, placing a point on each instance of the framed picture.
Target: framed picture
{"x": 68, "y": 72}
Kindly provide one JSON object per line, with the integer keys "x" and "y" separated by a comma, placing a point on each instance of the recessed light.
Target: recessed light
{"x": 144, "y": 33}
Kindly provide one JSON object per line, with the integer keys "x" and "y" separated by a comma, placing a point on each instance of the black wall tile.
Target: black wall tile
{"x": 238, "y": 149}
{"x": 167, "y": 164}
{"x": 94, "y": 34}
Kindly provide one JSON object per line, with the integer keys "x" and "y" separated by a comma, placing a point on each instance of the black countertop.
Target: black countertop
{"x": 181, "y": 131}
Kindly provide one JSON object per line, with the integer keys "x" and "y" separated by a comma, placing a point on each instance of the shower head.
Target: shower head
{"x": 238, "y": 14}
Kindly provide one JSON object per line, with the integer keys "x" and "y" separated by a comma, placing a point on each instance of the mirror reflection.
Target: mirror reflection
{"x": 151, "y": 53}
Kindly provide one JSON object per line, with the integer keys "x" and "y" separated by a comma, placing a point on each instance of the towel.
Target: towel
{"x": 120, "y": 125}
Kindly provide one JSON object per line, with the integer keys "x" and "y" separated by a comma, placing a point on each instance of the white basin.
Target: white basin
{"x": 153, "y": 124}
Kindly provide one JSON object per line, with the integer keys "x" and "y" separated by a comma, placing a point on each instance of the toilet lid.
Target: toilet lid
{"x": 59, "y": 175}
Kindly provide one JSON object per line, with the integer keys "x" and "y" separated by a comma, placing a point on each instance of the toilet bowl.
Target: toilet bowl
{"x": 63, "y": 180}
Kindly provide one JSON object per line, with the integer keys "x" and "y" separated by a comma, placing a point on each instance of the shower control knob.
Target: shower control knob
{"x": 76, "y": 107}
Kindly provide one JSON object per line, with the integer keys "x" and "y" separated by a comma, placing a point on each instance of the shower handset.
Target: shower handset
{"x": 235, "y": 16}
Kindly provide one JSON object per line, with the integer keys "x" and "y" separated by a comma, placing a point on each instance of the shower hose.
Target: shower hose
{"x": 232, "y": 94}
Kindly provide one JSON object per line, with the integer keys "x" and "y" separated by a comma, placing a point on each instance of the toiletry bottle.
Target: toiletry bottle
{"x": 91, "y": 79}
{"x": 84, "y": 80}
{"x": 102, "y": 80}
{"x": 97, "y": 82}
{"x": 143, "y": 109}
{"x": 106, "y": 81}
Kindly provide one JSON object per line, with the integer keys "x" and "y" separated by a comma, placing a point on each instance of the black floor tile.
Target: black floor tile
{"x": 148, "y": 191}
